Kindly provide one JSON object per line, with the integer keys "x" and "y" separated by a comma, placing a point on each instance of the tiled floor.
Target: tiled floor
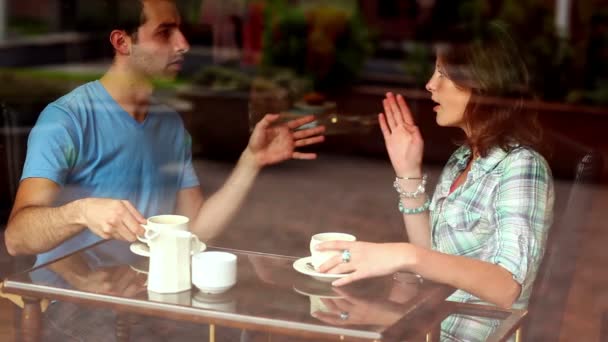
{"x": 291, "y": 201}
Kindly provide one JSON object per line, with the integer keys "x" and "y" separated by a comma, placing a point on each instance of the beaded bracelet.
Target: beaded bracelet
{"x": 420, "y": 190}
{"x": 411, "y": 211}
{"x": 410, "y": 178}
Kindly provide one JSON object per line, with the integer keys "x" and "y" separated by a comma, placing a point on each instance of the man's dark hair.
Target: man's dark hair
{"x": 126, "y": 15}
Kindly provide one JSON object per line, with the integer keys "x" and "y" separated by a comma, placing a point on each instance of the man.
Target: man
{"x": 104, "y": 156}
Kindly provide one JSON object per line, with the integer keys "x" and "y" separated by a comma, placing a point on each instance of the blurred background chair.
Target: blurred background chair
{"x": 577, "y": 171}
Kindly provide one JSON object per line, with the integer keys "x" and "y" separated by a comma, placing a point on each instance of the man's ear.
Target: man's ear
{"x": 121, "y": 42}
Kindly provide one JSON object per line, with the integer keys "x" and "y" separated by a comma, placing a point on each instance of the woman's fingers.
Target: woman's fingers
{"x": 398, "y": 116}
{"x": 339, "y": 267}
{"x": 348, "y": 279}
{"x": 383, "y": 125}
{"x": 335, "y": 245}
{"x": 404, "y": 109}
{"x": 390, "y": 117}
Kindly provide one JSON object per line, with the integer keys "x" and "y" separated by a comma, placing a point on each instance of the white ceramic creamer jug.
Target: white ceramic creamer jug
{"x": 170, "y": 257}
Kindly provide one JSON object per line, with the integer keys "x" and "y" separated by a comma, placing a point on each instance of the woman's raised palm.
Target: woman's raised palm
{"x": 402, "y": 137}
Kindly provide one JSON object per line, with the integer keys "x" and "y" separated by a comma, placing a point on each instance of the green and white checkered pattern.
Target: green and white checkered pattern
{"x": 501, "y": 214}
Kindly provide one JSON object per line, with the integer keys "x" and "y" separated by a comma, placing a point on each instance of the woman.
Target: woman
{"x": 484, "y": 230}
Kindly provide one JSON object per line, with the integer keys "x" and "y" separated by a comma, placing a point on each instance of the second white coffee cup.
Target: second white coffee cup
{"x": 318, "y": 257}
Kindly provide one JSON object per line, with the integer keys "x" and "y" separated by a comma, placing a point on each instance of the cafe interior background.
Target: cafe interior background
{"x": 335, "y": 59}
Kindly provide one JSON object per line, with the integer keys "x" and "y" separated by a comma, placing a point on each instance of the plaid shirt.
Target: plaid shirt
{"x": 501, "y": 214}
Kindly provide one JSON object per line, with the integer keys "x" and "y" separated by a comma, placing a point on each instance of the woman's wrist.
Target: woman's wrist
{"x": 410, "y": 257}
{"x": 415, "y": 172}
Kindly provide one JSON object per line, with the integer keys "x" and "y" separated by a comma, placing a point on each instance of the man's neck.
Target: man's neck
{"x": 129, "y": 90}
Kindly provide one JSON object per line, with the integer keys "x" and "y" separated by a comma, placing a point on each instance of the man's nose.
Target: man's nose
{"x": 181, "y": 44}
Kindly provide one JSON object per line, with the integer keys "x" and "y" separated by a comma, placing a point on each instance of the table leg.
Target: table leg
{"x": 211, "y": 332}
{"x": 123, "y": 327}
{"x": 433, "y": 335}
{"x": 31, "y": 320}
{"x": 518, "y": 337}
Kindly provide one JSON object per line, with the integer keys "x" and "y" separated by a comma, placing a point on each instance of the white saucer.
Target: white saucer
{"x": 320, "y": 293}
{"x": 304, "y": 266}
{"x": 140, "y": 266}
{"x": 142, "y": 249}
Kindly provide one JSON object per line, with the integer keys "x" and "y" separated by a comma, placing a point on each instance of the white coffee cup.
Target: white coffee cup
{"x": 320, "y": 257}
{"x": 157, "y": 223}
{"x": 214, "y": 272}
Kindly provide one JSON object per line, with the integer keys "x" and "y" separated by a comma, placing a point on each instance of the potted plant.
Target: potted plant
{"x": 326, "y": 42}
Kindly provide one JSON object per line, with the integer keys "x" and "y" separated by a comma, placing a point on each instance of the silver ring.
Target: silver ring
{"x": 345, "y": 256}
{"x": 344, "y": 315}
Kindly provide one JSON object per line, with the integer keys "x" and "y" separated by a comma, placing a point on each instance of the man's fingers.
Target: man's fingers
{"x": 124, "y": 233}
{"x": 133, "y": 226}
{"x": 122, "y": 277}
{"x": 305, "y": 156}
{"x": 136, "y": 214}
{"x": 305, "y": 133}
{"x": 267, "y": 120}
{"x": 309, "y": 141}
{"x": 300, "y": 121}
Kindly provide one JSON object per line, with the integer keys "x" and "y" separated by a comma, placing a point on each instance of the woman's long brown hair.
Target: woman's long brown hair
{"x": 493, "y": 70}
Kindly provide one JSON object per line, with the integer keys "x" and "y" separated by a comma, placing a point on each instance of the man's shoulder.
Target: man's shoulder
{"x": 83, "y": 93}
{"x": 71, "y": 103}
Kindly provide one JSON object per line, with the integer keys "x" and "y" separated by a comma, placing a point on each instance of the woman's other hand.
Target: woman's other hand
{"x": 401, "y": 136}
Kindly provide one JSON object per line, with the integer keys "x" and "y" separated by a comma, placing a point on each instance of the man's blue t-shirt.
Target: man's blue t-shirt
{"x": 91, "y": 147}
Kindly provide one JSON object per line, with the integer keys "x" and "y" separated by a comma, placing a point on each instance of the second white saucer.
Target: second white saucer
{"x": 304, "y": 266}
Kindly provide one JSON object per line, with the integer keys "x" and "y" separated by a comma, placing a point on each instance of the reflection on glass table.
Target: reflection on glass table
{"x": 109, "y": 281}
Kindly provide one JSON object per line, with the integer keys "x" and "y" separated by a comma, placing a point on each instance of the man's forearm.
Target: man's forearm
{"x": 35, "y": 230}
{"x": 218, "y": 209}
{"x": 487, "y": 281}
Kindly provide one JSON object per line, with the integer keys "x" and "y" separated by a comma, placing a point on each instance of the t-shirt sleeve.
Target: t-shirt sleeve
{"x": 189, "y": 178}
{"x": 52, "y": 148}
{"x": 522, "y": 210}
